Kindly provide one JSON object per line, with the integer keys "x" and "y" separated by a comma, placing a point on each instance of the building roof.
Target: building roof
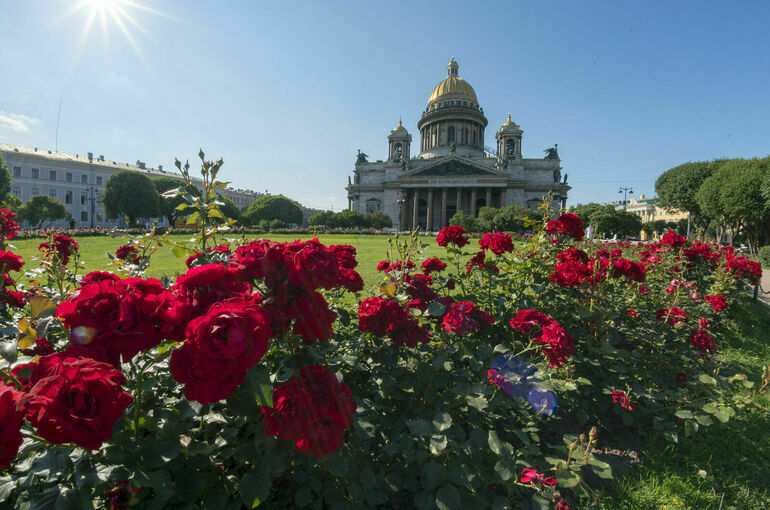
{"x": 453, "y": 85}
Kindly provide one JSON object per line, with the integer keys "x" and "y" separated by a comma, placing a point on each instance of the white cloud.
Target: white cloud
{"x": 16, "y": 121}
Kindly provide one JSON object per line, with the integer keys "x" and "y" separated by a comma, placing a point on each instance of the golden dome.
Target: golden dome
{"x": 453, "y": 85}
{"x": 508, "y": 122}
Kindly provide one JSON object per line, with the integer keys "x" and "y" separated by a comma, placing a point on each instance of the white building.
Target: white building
{"x": 78, "y": 181}
{"x": 454, "y": 169}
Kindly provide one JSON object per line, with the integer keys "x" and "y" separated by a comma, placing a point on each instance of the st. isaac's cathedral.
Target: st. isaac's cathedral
{"x": 454, "y": 169}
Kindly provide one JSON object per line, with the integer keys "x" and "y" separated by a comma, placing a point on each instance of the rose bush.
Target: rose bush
{"x": 491, "y": 377}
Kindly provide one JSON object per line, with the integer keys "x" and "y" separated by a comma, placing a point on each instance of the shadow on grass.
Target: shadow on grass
{"x": 725, "y": 466}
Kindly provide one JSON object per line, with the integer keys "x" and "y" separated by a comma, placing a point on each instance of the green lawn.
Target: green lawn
{"x": 93, "y": 252}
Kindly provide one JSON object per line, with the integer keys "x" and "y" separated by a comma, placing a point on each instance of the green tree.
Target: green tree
{"x": 323, "y": 218}
{"x": 131, "y": 193}
{"x": 42, "y": 208}
{"x": 5, "y": 180}
{"x": 609, "y": 221}
{"x": 228, "y": 208}
{"x": 464, "y": 220}
{"x": 485, "y": 221}
{"x": 742, "y": 201}
{"x": 11, "y": 202}
{"x": 273, "y": 207}
{"x": 677, "y": 187}
{"x": 648, "y": 228}
{"x": 515, "y": 218}
{"x": 379, "y": 220}
{"x": 168, "y": 205}
{"x": 584, "y": 211}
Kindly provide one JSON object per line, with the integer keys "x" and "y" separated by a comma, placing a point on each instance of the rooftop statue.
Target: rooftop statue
{"x": 361, "y": 157}
{"x": 552, "y": 152}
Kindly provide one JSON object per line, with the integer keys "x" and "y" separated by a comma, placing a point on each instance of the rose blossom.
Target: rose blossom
{"x": 498, "y": 243}
{"x": 466, "y": 317}
{"x": 63, "y": 246}
{"x": 620, "y": 397}
{"x": 433, "y": 265}
{"x": 74, "y": 400}
{"x": 717, "y": 302}
{"x": 10, "y": 261}
{"x": 453, "y": 234}
{"x": 129, "y": 253}
{"x": 8, "y": 226}
{"x": 532, "y": 476}
{"x": 671, "y": 315}
{"x": 567, "y": 223}
{"x": 312, "y": 410}
{"x": 11, "y": 419}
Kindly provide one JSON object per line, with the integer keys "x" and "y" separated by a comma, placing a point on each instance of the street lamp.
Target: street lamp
{"x": 625, "y": 192}
{"x": 401, "y": 201}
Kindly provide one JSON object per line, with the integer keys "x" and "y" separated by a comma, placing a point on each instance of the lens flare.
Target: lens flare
{"x": 83, "y": 335}
{"x": 515, "y": 377}
{"x": 543, "y": 401}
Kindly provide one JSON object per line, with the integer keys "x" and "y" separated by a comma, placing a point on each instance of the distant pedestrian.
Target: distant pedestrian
{"x": 589, "y": 232}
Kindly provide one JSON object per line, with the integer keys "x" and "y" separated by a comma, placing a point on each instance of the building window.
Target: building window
{"x": 52, "y": 192}
{"x": 68, "y": 197}
{"x": 52, "y": 175}
{"x": 35, "y": 191}
{"x": 99, "y": 217}
{"x": 451, "y": 134}
{"x": 16, "y": 191}
{"x": 36, "y": 173}
{"x": 84, "y": 179}
{"x": 99, "y": 180}
{"x": 83, "y": 215}
{"x": 17, "y": 171}
{"x": 68, "y": 176}
{"x": 83, "y": 198}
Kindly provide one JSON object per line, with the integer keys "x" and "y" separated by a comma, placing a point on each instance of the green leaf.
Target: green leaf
{"x": 568, "y": 479}
{"x": 8, "y": 351}
{"x": 707, "y": 379}
{"x": 442, "y": 421}
{"x": 690, "y": 427}
{"x": 684, "y": 414}
{"x": 368, "y": 479}
{"x": 503, "y": 469}
{"x": 438, "y": 443}
{"x": 499, "y": 446}
{"x": 671, "y": 436}
{"x": 704, "y": 420}
{"x": 710, "y": 408}
{"x": 419, "y": 427}
{"x": 254, "y": 488}
{"x": 448, "y": 497}
{"x": 179, "y": 252}
{"x": 480, "y": 402}
{"x": 436, "y": 309}
{"x": 259, "y": 385}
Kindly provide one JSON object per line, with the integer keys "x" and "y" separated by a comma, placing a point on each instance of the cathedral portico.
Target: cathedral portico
{"x": 454, "y": 170}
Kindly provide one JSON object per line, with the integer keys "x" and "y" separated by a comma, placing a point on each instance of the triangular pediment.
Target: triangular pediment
{"x": 452, "y": 166}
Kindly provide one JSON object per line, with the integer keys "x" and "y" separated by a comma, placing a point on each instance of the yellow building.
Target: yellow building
{"x": 646, "y": 209}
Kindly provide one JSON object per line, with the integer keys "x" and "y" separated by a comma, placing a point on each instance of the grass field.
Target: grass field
{"x": 93, "y": 252}
{"x": 725, "y": 466}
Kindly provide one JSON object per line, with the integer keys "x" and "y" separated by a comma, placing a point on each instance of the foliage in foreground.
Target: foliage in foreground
{"x": 490, "y": 378}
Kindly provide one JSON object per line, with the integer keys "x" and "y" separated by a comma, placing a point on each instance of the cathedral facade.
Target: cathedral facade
{"x": 454, "y": 169}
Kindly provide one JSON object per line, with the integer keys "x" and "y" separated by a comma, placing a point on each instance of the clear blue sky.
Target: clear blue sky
{"x": 286, "y": 92}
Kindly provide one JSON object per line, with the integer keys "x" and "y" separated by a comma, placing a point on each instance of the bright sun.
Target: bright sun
{"x": 111, "y": 14}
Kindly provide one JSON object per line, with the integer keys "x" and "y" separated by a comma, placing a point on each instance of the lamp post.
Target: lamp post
{"x": 93, "y": 193}
{"x": 401, "y": 201}
{"x": 625, "y": 191}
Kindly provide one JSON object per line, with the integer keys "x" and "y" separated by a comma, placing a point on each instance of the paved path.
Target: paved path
{"x": 764, "y": 287}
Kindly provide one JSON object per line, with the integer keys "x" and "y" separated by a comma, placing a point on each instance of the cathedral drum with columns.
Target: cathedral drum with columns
{"x": 455, "y": 170}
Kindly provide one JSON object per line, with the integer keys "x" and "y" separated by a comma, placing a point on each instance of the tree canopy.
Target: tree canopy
{"x": 351, "y": 219}
{"x": 228, "y": 208}
{"x": 168, "y": 206}
{"x": 676, "y": 188}
{"x": 273, "y": 207}
{"x": 42, "y": 208}
{"x": 131, "y": 193}
{"x": 5, "y": 179}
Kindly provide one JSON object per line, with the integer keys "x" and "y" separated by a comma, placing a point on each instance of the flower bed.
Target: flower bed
{"x": 492, "y": 377}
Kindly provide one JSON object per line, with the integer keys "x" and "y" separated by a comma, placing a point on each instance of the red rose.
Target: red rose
{"x": 498, "y": 243}
{"x": 558, "y": 344}
{"x": 383, "y": 266}
{"x": 205, "y": 380}
{"x": 234, "y": 330}
{"x": 567, "y": 223}
{"x": 466, "y": 317}
{"x": 399, "y": 264}
{"x": 202, "y": 286}
{"x": 620, "y": 397}
{"x": 257, "y": 259}
{"x": 10, "y": 261}
{"x": 671, "y": 315}
{"x": 222, "y": 249}
{"x": 433, "y": 265}
{"x": 572, "y": 255}
{"x": 313, "y": 320}
{"x": 632, "y": 270}
{"x": 346, "y": 255}
{"x": 312, "y": 265}
{"x": 673, "y": 239}
{"x": 11, "y": 419}
{"x": 571, "y": 274}
{"x": 349, "y": 279}
{"x": 527, "y": 320}
{"x": 418, "y": 287}
{"x": 701, "y": 340}
{"x": 453, "y": 234}
{"x": 98, "y": 276}
{"x": 409, "y": 333}
{"x": 718, "y": 302}
{"x": 62, "y": 246}
{"x": 8, "y": 226}
{"x": 644, "y": 290}
{"x": 561, "y": 505}
{"x": 631, "y": 312}
{"x": 121, "y": 317}
{"x": 532, "y": 476}
{"x": 378, "y": 315}
{"x": 312, "y": 410}
{"x": 129, "y": 253}
{"x": 75, "y": 400}
{"x": 703, "y": 323}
